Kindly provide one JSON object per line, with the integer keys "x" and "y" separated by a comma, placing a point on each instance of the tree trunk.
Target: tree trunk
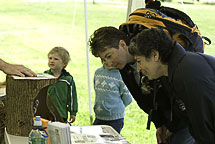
{"x": 20, "y": 94}
{"x": 2, "y": 120}
{"x": 2, "y": 110}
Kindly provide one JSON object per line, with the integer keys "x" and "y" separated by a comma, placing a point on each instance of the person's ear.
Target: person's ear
{"x": 156, "y": 56}
{"x": 64, "y": 65}
{"x": 123, "y": 44}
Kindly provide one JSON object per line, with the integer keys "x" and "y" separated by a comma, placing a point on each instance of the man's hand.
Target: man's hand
{"x": 163, "y": 135}
{"x": 15, "y": 69}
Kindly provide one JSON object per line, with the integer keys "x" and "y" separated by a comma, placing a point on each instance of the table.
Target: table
{"x": 98, "y": 134}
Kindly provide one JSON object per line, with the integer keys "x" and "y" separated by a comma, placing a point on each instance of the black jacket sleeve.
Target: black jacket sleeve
{"x": 194, "y": 83}
{"x": 144, "y": 101}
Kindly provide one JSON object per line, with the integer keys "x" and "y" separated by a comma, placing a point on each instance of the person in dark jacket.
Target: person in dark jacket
{"x": 111, "y": 45}
{"x": 190, "y": 75}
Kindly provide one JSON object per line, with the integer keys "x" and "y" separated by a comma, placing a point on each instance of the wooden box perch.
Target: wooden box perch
{"x": 20, "y": 95}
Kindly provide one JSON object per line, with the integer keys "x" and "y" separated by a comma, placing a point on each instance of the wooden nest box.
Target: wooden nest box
{"x": 20, "y": 97}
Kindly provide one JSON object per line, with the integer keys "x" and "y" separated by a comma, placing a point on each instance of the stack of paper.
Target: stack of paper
{"x": 59, "y": 133}
{"x": 96, "y": 134}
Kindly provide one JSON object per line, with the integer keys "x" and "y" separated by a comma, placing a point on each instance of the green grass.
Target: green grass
{"x": 29, "y": 30}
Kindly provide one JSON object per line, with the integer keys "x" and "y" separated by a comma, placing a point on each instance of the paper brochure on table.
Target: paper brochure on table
{"x": 59, "y": 133}
{"x": 97, "y": 134}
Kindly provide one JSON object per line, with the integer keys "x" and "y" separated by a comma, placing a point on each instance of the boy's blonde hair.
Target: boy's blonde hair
{"x": 63, "y": 53}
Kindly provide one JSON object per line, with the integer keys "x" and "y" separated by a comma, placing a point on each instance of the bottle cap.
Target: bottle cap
{"x": 37, "y": 121}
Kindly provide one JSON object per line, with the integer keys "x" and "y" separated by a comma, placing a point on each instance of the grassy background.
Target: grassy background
{"x": 28, "y": 30}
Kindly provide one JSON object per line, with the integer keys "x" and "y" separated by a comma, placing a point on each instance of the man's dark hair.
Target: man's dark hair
{"x": 149, "y": 40}
{"x": 105, "y": 38}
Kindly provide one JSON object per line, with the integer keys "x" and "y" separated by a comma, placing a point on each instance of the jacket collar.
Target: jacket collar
{"x": 175, "y": 58}
{"x": 64, "y": 73}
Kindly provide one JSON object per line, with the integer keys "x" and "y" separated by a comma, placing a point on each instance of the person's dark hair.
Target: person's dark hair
{"x": 105, "y": 38}
{"x": 149, "y": 40}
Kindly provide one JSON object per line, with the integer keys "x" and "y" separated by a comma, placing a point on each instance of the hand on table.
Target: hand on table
{"x": 16, "y": 69}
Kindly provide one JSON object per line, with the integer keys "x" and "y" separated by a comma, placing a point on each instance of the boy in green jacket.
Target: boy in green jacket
{"x": 63, "y": 92}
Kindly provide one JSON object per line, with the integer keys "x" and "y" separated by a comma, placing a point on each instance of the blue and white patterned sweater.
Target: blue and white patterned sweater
{"x": 112, "y": 95}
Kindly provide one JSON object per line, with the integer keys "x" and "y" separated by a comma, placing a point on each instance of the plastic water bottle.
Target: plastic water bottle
{"x": 38, "y": 134}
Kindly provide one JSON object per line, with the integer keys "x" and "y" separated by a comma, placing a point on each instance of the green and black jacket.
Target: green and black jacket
{"x": 64, "y": 95}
